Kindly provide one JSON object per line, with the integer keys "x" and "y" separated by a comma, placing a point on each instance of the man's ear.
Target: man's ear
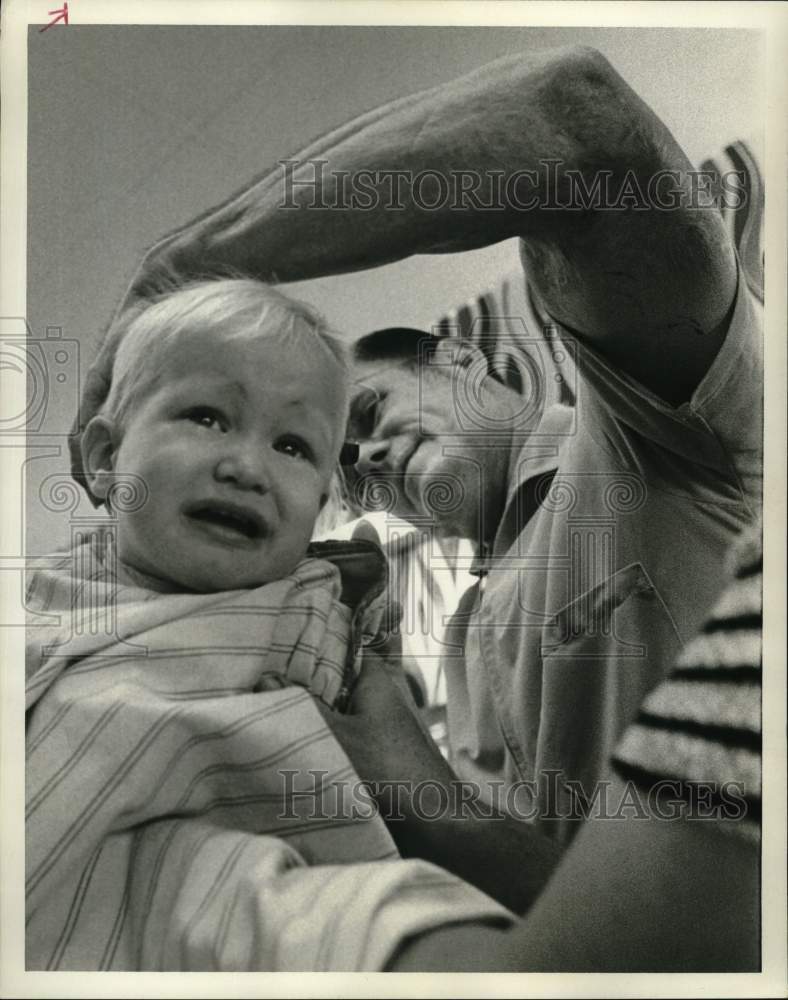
{"x": 453, "y": 351}
{"x": 98, "y": 455}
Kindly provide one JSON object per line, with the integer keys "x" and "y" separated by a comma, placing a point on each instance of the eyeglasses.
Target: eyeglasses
{"x": 348, "y": 456}
{"x": 360, "y": 426}
{"x": 363, "y": 416}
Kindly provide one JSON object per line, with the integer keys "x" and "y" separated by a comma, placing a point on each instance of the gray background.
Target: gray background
{"x": 132, "y": 130}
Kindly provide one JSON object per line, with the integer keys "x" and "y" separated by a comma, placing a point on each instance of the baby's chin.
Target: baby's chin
{"x": 212, "y": 579}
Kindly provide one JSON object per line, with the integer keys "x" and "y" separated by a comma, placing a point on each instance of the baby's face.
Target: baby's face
{"x": 236, "y": 445}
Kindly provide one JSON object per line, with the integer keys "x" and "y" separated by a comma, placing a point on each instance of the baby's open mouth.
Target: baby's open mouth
{"x": 228, "y": 517}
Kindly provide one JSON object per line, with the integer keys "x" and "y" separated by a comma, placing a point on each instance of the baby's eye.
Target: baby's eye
{"x": 206, "y": 416}
{"x": 294, "y": 447}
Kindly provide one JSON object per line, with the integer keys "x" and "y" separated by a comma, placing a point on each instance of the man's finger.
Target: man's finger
{"x": 375, "y": 687}
{"x": 334, "y": 720}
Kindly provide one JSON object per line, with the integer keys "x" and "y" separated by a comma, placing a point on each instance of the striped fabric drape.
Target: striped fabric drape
{"x": 187, "y": 806}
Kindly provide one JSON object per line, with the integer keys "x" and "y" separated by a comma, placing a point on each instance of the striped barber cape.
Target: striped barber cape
{"x": 187, "y": 806}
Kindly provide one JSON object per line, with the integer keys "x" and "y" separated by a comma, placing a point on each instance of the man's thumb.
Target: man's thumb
{"x": 376, "y": 685}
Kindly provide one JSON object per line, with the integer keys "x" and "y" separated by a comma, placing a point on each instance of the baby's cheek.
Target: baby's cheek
{"x": 306, "y": 495}
{"x": 302, "y": 522}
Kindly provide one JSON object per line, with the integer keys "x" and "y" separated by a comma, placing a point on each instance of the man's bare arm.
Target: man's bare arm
{"x": 630, "y": 895}
{"x": 636, "y": 893}
{"x": 651, "y": 287}
{"x": 425, "y": 806}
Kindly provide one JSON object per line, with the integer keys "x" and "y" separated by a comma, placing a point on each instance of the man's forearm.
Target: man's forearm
{"x": 509, "y": 860}
{"x": 379, "y": 173}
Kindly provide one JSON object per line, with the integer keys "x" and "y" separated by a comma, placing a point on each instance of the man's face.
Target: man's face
{"x": 236, "y": 446}
{"x": 416, "y": 457}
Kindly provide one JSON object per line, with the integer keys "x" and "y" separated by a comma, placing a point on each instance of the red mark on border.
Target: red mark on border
{"x": 62, "y": 15}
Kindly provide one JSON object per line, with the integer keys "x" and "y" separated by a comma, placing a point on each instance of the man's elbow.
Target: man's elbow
{"x": 584, "y": 61}
{"x": 582, "y": 71}
{"x": 588, "y": 98}
{"x": 604, "y": 124}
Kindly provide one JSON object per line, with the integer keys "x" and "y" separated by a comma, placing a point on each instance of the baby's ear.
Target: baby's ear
{"x": 98, "y": 455}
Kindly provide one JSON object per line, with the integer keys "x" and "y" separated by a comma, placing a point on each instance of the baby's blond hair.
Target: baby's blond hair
{"x": 235, "y": 308}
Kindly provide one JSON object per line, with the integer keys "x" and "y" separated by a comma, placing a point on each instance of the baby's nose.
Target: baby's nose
{"x": 246, "y": 469}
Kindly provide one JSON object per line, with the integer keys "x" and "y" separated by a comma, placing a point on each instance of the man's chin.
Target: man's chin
{"x": 421, "y": 472}
{"x": 432, "y": 486}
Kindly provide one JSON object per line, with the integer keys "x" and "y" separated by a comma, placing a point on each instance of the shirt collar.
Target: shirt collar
{"x": 534, "y": 464}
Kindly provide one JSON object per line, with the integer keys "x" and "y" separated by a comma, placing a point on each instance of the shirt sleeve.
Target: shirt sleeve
{"x": 718, "y": 430}
{"x": 232, "y": 902}
{"x": 701, "y": 728}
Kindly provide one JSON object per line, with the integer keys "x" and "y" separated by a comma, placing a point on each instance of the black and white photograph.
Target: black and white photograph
{"x": 388, "y": 400}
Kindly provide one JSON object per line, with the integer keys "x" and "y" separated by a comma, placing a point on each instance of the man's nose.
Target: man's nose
{"x": 373, "y": 456}
{"x": 244, "y": 467}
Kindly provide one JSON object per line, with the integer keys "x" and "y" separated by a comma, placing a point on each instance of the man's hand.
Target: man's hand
{"x": 383, "y": 735}
{"x": 391, "y": 748}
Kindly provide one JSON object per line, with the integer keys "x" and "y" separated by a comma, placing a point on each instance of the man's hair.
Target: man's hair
{"x": 397, "y": 344}
{"x": 233, "y": 308}
{"x": 409, "y": 346}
